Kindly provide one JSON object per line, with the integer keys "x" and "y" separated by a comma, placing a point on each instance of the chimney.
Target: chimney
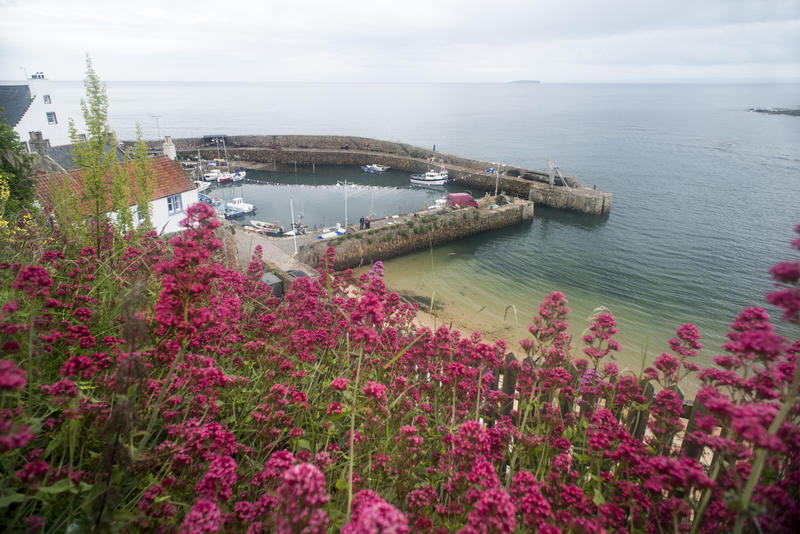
{"x": 168, "y": 148}
{"x": 38, "y": 144}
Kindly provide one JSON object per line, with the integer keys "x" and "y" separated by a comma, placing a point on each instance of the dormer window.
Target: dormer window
{"x": 51, "y": 118}
{"x": 47, "y": 99}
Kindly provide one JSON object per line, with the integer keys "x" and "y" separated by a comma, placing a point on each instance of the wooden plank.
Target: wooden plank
{"x": 641, "y": 417}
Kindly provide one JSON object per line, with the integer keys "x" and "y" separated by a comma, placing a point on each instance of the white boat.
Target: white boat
{"x": 221, "y": 177}
{"x": 375, "y": 168}
{"x": 430, "y": 178}
{"x": 212, "y": 175}
{"x": 201, "y": 186}
{"x": 239, "y": 204}
{"x": 232, "y": 177}
{"x": 438, "y": 204}
{"x": 262, "y": 225}
{"x": 216, "y": 175}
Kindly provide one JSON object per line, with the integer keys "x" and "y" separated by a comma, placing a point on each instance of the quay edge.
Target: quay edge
{"x": 287, "y": 152}
{"x": 413, "y": 232}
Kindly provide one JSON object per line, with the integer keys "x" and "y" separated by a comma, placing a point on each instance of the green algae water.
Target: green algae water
{"x": 705, "y": 192}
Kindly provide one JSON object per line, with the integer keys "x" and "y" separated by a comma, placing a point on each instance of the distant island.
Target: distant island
{"x": 525, "y": 81}
{"x": 777, "y": 111}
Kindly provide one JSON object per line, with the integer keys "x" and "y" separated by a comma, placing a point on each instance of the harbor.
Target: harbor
{"x": 274, "y": 153}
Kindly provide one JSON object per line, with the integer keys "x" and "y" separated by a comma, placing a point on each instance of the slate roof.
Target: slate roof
{"x": 60, "y": 157}
{"x": 15, "y": 99}
{"x": 169, "y": 176}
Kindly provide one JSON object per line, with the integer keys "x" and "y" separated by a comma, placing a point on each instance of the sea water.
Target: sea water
{"x": 706, "y": 193}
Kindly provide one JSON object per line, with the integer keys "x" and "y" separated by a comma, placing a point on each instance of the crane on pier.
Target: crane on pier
{"x": 553, "y": 170}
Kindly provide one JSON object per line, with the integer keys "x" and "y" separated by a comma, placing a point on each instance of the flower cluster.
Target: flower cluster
{"x": 146, "y": 386}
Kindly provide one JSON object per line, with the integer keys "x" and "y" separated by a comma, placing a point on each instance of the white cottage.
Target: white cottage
{"x": 172, "y": 194}
{"x": 36, "y": 111}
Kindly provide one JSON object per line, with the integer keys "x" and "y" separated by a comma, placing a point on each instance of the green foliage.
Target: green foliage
{"x": 120, "y": 198}
{"x": 17, "y": 165}
{"x": 96, "y": 154}
{"x": 145, "y": 182}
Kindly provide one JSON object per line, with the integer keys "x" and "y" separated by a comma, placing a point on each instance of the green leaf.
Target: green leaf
{"x": 65, "y": 484}
{"x": 390, "y": 362}
{"x": 341, "y": 484}
{"x": 12, "y": 498}
{"x": 304, "y": 444}
{"x": 598, "y": 500}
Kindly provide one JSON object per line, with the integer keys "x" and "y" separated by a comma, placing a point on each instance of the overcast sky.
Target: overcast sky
{"x": 403, "y": 40}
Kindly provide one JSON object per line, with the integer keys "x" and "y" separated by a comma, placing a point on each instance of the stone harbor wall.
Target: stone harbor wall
{"x": 290, "y": 152}
{"x": 412, "y": 233}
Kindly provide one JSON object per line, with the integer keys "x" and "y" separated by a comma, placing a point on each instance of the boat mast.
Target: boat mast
{"x": 345, "y": 204}
{"x": 225, "y": 150}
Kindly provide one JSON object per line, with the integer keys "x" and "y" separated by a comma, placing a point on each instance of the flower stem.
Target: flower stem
{"x": 761, "y": 455}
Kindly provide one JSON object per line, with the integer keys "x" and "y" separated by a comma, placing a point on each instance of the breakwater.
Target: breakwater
{"x": 287, "y": 152}
{"x": 397, "y": 236}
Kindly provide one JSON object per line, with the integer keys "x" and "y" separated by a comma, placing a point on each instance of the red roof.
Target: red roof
{"x": 168, "y": 176}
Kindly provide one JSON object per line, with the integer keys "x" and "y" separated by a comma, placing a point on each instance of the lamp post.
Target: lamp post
{"x": 496, "y": 177}
{"x": 294, "y": 230}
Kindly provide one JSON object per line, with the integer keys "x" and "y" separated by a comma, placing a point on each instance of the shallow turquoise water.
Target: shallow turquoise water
{"x": 705, "y": 192}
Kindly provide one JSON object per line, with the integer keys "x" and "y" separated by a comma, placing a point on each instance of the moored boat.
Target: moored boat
{"x": 430, "y": 178}
{"x": 375, "y": 168}
{"x": 238, "y": 203}
{"x": 231, "y": 177}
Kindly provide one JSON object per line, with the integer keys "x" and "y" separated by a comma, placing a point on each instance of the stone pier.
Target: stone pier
{"x": 288, "y": 152}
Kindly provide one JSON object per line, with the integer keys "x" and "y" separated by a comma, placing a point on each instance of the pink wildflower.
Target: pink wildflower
{"x": 204, "y": 517}
{"x": 340, "y": 384}
{"x": 12, "y": 378}
{"x": 371, "y": 514}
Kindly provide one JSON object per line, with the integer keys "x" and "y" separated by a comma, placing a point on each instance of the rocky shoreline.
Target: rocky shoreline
{"x": 777, "y": 111}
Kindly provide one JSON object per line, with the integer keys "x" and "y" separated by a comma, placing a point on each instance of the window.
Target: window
{"x": 51, "y": 118}
{"x": 174, "y": 204}
{"x": 47, "y": 99}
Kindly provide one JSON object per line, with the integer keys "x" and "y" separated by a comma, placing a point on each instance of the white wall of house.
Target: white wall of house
{"x": 166, "y": 220}
{"x": 54, "y": 127}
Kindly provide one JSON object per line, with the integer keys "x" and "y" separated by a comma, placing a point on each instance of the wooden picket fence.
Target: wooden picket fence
{"x": 635, "y": 420}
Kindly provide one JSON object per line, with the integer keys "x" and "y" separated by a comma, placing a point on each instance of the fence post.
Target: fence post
{"x": 690, "y": 448}
{"x": 640, "y": 421}
{"x": 568, "y": 405}
{"x": 509, "y": 382}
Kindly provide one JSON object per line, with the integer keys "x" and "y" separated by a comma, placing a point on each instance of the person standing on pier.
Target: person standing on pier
{"x": 361, "y": 223}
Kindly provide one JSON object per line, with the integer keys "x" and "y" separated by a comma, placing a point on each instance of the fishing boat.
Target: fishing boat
{"x": 232, "y": 177}
{"x": 231, "y": 213}
{"x": 375, "y": 168}
{"x": 238, "y": 203}
{"x": 201, "y": 186}
{"x": 430, "y": 178}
